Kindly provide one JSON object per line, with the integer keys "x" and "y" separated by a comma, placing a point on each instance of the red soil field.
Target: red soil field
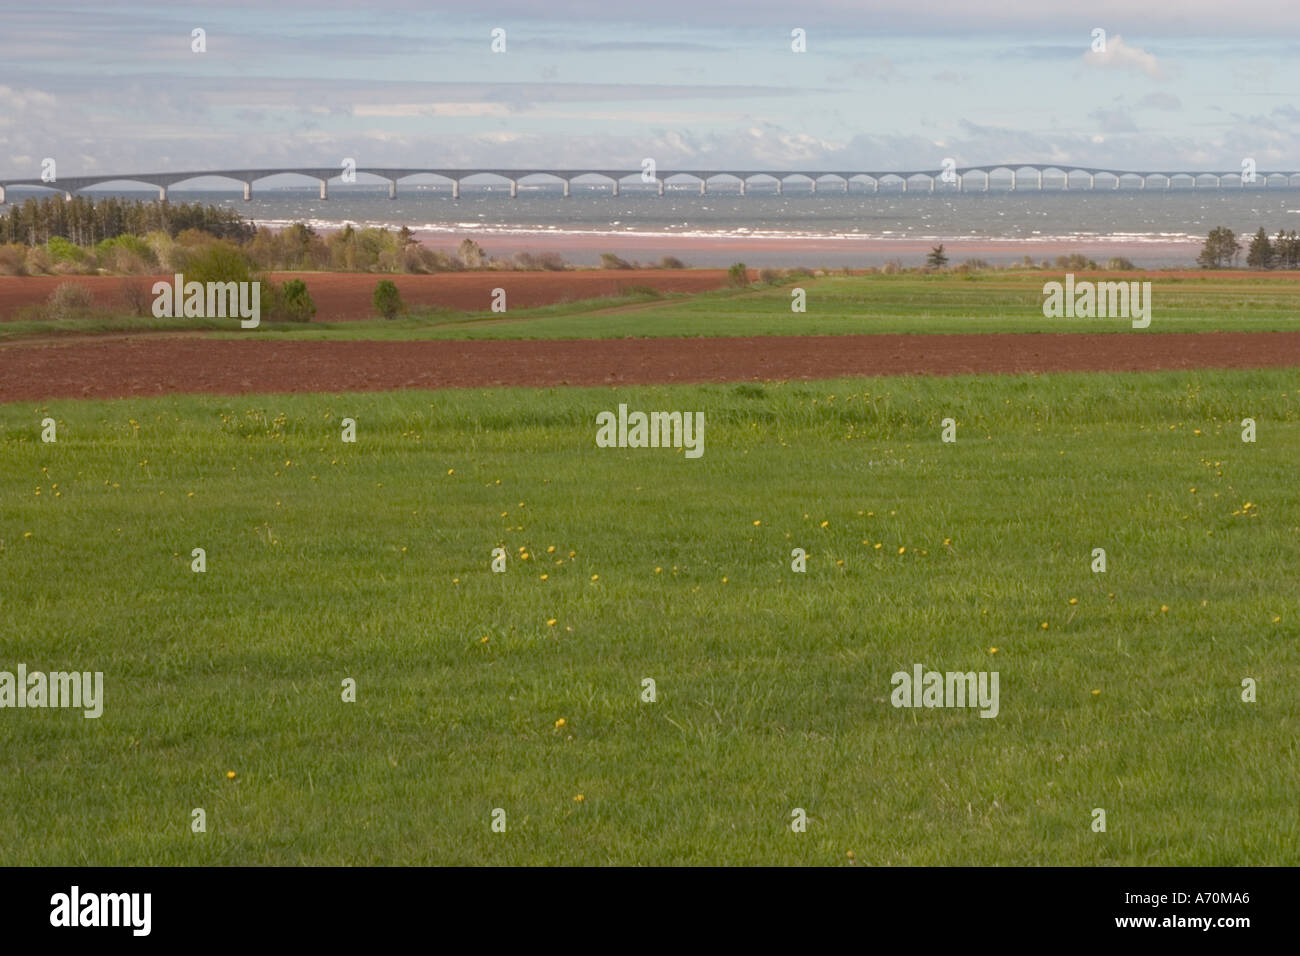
{"x": 171, "y": 364}
{"x": 345, "y": 296}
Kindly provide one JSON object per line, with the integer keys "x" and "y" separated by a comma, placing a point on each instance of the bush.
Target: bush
{"x": 13, "y": 260}
{"x": 136, "y": 298}
{"x": 471, "y": 253}
{"x": 771, "y": 276}
{"x": 738, "y": 275}
{"x": 64, "y": 250}
{"x": 37, "y": 261}
{"x": 1120, "y": 264}
{"x": 1073, "y": 262}
{"x": 671, "y": 262}
{"x": 290, "y": 302}
{"x": 541, "y": 261}
{"x": 219, "y": 261}
{"x": 69, "y": 300}
{"x": 610, "y": 261}
{"x": 387, "y": 300}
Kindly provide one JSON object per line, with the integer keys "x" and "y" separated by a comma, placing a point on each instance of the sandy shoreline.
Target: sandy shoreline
{"x": 815, "y": 251}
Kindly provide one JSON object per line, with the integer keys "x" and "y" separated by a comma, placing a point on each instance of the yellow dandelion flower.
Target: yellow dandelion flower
{"x": 595, "y": 577}
{"x": 551, "y": 623}
{"x": 1074, "y": 601}
{"x": 993, "y": 650}
{"x": 451, "y": 471}
{"x": 757, "y": 523}
{"x": 724, "y": 580}
{"x": 1096, "y": 693}
{"x": 902, "y": 550}
{"x": 659, "y": 570}
{"x": 483, "y": 639}
{"x": 1277, "y": 619}
{"x": 1164, "y": 609}
{"x": 551, "y": 549}
{"x": 230, "y": 775}
{"x": 1043, "y": 625}
{"x": 825, "y": 523}
{"x": 560, "y": 722}
{"x": 579, "y": 798}
{"x": 849, "y": 854}
{"x": 879, "y": 545}
{"x": 545, "y": 576}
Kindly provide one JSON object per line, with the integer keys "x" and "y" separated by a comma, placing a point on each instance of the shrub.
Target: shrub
{"x": 770, "y": 276}
{"x": 1120, "y": 264}
{"x": 387, "y": 300}
{"x": 218, "y": 261}
{"x": 37, "y": 261}
{"x": 13, "y": 260}
{"x": 64, "y": 250}
{"x": 290, "y": 302}
{"x": 738, "y": 275}
{"x": 471, "y": 253}
{"x": 671, "y": 262}
{"x": 1073, "y": 262}
{"x": 69, "y": 300}
{"x": 136, "y": 298}
{"x": 610, "y": 261}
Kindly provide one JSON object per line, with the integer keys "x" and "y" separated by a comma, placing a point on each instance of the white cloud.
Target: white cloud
{"x": 1120, "y": 55}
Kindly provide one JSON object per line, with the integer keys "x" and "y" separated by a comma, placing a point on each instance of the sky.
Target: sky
{"x": 117, "y": 87}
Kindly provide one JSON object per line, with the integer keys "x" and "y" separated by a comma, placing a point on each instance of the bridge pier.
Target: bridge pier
{"x": 392, "y": 189}
{"x": 742, "y": 187}
{"x": 162, "y": 193}
{"x": 566, "y": 189}
{"x": 904, "y": 184}
{"x": 814, "y": 186}
{"x": 324, "y": 189}
{"x": 988, "y": 176}
{"x": 248, "y": 191}
{"x": 616, "y": 187}
{"x": 1169, "y": 182}
{"x": 455, "y": 189}
{"x": 2, "y": 195}
{"x": 704, "y": 186}
{"x": 875, "y": 185}
{"x": 1092, "y": 180}
{"x": 67, "y": 196}
{"x": 780, "y": 187}
{"x": 1040, "y": 180}
{"x": 1144, "y": 183}
{"x": 514, "y": 189}
{"x": 661, "y": 187}
{"x": 1013, "y": 180}
{"x": 1117, "y": 182}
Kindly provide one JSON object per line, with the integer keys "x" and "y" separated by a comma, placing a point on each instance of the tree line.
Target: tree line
{"x": 87, "y": 222}
{"x": 1222, "y": 249}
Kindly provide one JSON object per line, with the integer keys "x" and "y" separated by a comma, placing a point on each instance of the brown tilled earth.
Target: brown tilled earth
{"x": 163, "y": 364}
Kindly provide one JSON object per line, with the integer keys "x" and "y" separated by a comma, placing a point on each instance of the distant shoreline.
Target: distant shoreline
{"x": 789, "y": 251}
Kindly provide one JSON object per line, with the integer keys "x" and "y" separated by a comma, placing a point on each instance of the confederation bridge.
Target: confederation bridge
{"x": 953, "y": 178}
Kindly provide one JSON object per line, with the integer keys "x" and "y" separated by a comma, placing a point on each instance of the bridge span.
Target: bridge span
{"x": 952, "y": 178}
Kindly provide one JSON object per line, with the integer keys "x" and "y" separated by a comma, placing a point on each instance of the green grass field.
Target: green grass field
{"x": 371, "y": 561}
{"x": 836, "y": 305}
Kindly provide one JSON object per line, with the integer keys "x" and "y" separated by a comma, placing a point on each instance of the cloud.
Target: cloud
{"x": 1119, "y": 55}
{"x": 1160, "y": 101}
{"x": 1114, "y": 121}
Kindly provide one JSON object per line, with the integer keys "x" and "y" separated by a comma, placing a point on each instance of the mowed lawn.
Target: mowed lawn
{"x": 371, "y": 561}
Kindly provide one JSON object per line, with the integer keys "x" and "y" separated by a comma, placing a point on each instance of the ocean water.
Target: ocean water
{"x": 1140, "y": 224}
